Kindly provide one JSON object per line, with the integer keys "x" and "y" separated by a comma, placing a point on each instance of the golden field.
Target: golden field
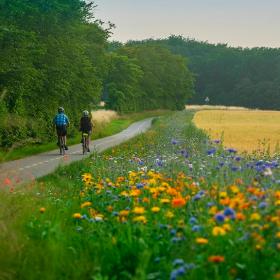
{"x": 244, "y": 130}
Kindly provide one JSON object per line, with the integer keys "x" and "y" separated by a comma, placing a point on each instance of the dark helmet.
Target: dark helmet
{"x": 60, "y": 109}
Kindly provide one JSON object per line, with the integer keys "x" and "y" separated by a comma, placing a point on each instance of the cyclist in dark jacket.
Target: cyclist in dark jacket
{"x": 86, "y": 125}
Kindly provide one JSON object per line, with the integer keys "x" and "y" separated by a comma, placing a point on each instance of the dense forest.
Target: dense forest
{"x": 227, "y": 75}
{"x": 56, "y": 53}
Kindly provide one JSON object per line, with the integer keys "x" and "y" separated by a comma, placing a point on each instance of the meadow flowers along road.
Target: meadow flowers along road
{"x": 170, "y": 204}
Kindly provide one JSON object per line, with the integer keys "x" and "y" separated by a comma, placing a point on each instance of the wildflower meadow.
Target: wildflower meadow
{"x": 169, "y": 204}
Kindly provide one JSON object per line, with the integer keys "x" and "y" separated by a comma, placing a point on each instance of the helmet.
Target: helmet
{"x": 60, "y": 109}
{"x": 85, "y": 113}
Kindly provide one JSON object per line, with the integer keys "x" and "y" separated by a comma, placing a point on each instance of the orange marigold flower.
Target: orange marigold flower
{"x": 202, "y": 241}
{"x": 240, "y": 216}
{"x": 124, "y": 213}
{"x": 77, "y": 216}
{"x": 178, "y": 202}
{"x": 146, "y": 200}
{"x": 216, "y": 259}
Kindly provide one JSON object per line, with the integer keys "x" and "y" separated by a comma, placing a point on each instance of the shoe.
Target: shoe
{"x": 65, "y": 147}
{"x": 88, "y": 150}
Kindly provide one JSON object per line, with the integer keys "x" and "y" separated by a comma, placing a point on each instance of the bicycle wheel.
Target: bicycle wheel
{"x": 61, "y": 145}
{"x": 85, "y": 146}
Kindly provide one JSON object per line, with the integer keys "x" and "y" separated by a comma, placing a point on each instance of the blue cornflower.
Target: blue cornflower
{"x": 231, "y": 150}
{"x": 192, "y": 220}
{"x": 197, "y": 197}
{"x": 139, "y": 186}
{"x": 229, "y": 212}
{"x": 177, "y": 262}
{"x": 196, "y": 228}
{"x": 211, "y": 151}
{"x": 220, "y": 218}
{"x": 262, "y": 205}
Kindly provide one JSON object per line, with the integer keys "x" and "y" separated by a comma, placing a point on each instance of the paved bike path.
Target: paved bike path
{"x": 28, "y": 169}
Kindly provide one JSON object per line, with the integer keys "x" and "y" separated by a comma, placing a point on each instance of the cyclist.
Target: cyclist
{"x": 86, "y": 126}
{"x": 61, "y": 122}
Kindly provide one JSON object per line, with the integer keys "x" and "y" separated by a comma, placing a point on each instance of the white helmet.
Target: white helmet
{"x": 85, "y": 113}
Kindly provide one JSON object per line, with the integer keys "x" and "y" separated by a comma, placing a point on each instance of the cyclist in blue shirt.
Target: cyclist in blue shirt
{"x": 61, "y": 122}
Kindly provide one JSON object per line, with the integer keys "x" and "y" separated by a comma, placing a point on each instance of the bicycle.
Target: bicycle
{"x": 85, "y": 143}
{"x": 61, "y": 143}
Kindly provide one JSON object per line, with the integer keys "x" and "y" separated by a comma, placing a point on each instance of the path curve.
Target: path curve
{"x": 28, "y": 169}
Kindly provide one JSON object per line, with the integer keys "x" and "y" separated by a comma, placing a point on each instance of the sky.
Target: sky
{"x": 244, "y": 23}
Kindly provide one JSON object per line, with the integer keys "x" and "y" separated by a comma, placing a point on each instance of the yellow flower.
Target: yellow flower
{"x": 87, "y": 177}
{"x": 124, "y": 193}
{"x": 165, "y": 200}
{"x": 202, "y": 241}
{"x": 139, "y": 210}
{"x": 77, "y": 216}
{"x": 213, "y": 210}
{"x": 141, "y": 219}
{"x": 258, "y": 247}
{"x": 155, "y": 209}
{"x": 255, "y": 217}
{"x": 234, "y": 189}
{"x": 86, "y": 204}
{"x": 169, "y": 214}
{"x": 277, "y": 235}
{"x": 42, "y": 209}
{"x": 227, "y": 227}
{"x": 218, "y": 231}
{"x": 223, "y": 194}
{"x": 124, "y": 213}
{"x": 277, "y": 203}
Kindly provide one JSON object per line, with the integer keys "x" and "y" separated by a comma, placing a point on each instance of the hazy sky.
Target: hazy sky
{"x": 245, "y": 23}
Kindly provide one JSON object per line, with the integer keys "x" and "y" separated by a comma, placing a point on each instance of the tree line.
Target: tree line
{"x": 56, "y": 53}
{"x": 227, "y": 75}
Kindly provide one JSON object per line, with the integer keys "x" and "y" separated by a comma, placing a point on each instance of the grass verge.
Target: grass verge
{"x": 169, "y": 204}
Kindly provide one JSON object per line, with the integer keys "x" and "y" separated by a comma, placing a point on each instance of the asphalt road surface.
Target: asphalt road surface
{"x": 25, "y": 170}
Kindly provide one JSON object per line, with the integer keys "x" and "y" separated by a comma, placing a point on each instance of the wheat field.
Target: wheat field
{"x": 245, "y": 130}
